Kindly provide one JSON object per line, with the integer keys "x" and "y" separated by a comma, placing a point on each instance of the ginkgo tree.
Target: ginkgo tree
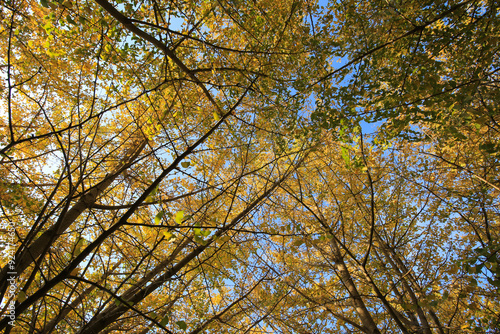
{"x": 376, "y": 249}
{"x": 203, "y": 166}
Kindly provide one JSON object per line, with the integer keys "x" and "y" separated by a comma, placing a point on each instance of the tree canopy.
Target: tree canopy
{"x": 230, "y": 166}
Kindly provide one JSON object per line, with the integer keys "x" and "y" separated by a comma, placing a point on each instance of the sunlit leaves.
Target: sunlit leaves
{"x": 264, "y": 221}
{"x": 179, "y": 217}
{"x": 159, "y": 217}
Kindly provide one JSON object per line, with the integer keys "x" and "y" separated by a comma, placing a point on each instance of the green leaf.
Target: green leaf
{"x": 164, "y": 321}
{"x": 179, "y": 217}
{"x": 434, "y": 303}
{"x": 78, "y": 247}
{"x": 199, "y": 240}
{"x": 345, "y": 155}
{"x": 225, "y": 238}
{"x": 494, "y": 282}
{"x": 407, "y": 306}
{"x": 488, "y": 147}
{"x": 70, "y": 20}
{"x": 21, "y": 296}
{"x": 154, "y": 191}
{"x": 473, "y": 282}
{"x": 152, "y": 194}
{"x": 159, "y": 216}
{"x": 182, "y": 325}
{"x": 44, "y": 3}
{"x": 185, "y": 164}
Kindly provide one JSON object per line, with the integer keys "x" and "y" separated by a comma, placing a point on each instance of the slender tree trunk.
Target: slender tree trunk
{"x": 43, "y": 243}
{"x": 345, "y": 277}
{"x": 113, "y": 312}
{"x": 49, "y": 327}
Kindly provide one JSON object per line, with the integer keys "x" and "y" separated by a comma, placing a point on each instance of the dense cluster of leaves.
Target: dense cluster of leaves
{"x": 229, "y": 166}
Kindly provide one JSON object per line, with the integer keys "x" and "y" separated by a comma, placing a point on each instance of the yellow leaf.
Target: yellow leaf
{"x": 168, "y": 235}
